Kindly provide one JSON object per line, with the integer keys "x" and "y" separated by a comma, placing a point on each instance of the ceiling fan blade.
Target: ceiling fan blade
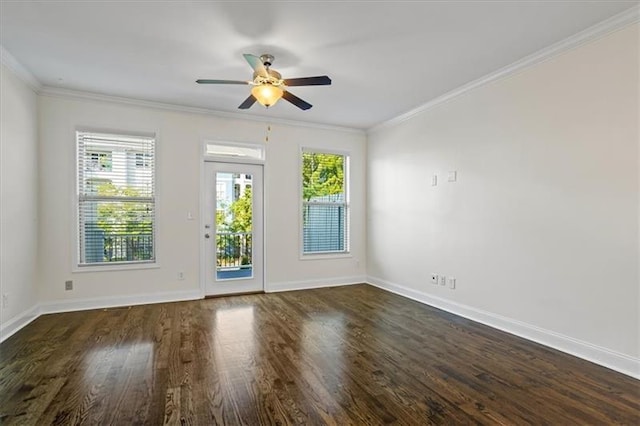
{"x": 221, "y": 82}
{"x": 321, "y": 80}
{"x": 296, "y": 100}
{"x": 256, "y": 64}
{"x": 248, "y": 102}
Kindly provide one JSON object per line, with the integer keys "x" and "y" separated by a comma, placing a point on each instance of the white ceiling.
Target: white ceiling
{"x": 384, "y": 58}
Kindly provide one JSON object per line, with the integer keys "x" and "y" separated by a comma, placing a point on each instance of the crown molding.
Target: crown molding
{"x": 56, "y": 92}
{"x": 9, "y": 61}
{"x": 599, "y": 30}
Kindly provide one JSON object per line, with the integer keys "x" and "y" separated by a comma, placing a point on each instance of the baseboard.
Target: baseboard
{"x": 310, "y": 284}
{"x": 117, "y": 301}
{"x": 602, "y": 356}
{"x": 72, "y": 305}
{"x": 19, "y": 321}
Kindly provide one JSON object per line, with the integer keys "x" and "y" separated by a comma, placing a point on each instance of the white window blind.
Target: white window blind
{"x": 325, "y": 215}
{"x": 116, "y": 198}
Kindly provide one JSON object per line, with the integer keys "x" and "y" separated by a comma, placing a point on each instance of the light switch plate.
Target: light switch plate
{"x": 452, "y": 176}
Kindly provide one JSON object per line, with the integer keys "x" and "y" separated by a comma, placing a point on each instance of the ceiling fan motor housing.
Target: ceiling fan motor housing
{"x": 274, "y": 77}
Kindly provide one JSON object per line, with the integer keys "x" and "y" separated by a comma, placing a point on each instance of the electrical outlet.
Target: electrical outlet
{"x": 452, "y": 282}
{"x": 443, "y": 280}
{"x": 68, "y": 285}
{"x": 5, "y": 301}
{"x": 180, "y": 275}
{"x": 434, "y": 279}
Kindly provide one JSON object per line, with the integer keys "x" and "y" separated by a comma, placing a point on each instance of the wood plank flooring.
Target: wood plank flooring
{"x": 337, "y": 356}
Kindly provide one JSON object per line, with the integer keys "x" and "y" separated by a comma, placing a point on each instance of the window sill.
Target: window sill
{"x": 115, "y": 267}
{"x": 326, "y": 256}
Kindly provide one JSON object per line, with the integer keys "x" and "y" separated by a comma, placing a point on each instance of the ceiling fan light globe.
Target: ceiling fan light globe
{"x": 267, "y": 94}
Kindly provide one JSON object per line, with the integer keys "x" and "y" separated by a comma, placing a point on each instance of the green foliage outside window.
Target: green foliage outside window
{"x": 322, "y": 175}
{"x": 125, "y": 217}
{"x": 235, "y": 249}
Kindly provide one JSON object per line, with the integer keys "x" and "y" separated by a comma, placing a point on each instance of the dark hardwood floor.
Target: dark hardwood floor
{"x": 347, "y": 355}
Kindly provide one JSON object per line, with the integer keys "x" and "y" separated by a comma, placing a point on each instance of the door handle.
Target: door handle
{"x": 207, "y": 236}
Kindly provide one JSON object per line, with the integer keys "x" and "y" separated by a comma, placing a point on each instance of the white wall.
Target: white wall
{"x": 18, "y": 197}
{"x": 284, "y": 266}
{"x": 180, "y": 136}
{"x": 541, "y": 229}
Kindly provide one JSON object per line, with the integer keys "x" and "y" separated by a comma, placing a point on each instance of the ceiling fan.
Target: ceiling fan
{"x": 268, "y": 84}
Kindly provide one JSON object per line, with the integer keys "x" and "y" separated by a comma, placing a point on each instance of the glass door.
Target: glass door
{"x": 233, "y": 229}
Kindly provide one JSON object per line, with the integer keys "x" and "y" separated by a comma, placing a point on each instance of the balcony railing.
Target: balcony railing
{"x": 128, "y": 247}
{"x": 100, "y": 246}
{"x": 233, "y": 250}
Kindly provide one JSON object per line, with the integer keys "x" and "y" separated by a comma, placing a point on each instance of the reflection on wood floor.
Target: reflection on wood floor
{"x": 346, "y": 355}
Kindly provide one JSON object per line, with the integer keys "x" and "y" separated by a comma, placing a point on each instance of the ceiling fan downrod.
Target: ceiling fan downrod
{"x": 267, "y": 59}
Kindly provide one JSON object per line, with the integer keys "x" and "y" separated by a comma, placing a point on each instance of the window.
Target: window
{"x": 99, "y": 161}
{"x": 142, "y": 160}
{"x": 242, "y": 151}
{"x": 116, "y": 199}
{"x": 325, "y": 205}
{"x": 221, "y": 193}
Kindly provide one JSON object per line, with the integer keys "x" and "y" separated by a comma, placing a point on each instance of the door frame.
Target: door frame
{"x": 203, "y": 213}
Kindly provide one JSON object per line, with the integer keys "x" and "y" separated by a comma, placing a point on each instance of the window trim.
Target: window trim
{"x": 347, "y": 196}
{"x": 76, "y": 266}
